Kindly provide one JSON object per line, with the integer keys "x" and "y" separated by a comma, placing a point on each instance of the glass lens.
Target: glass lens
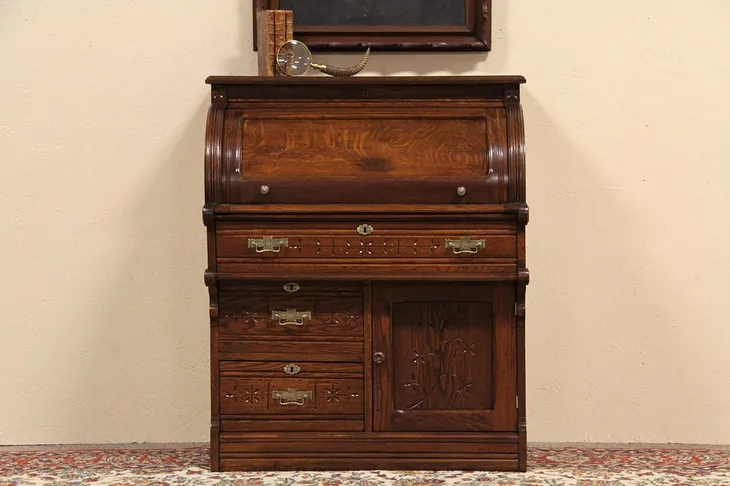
{"x": 294, "y": 58}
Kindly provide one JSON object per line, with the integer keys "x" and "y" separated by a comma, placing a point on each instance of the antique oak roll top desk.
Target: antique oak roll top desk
{"x": 366, "y": 272}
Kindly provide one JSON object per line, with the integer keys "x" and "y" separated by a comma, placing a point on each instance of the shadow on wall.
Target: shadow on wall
{"x": 148, "y": 374}
{"x": 587, "y": 376}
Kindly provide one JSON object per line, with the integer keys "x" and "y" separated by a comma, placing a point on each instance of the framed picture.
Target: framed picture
{"x": 341, "y": 25}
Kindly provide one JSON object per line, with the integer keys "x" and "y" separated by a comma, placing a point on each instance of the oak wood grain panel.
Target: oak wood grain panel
{"x": 491, "y": 437}
{"x": 383, "y": 224}
{"x": 259, "y": 395}
{"x": 386, "y": 244}
{"x": 368, "y": 345}
{"x": 276, "y": 369}
{"x": 406, "y": 212}
{"x": 450, "y": 357}
{"x": 289, "y": 425}
{"x": 362, "y": 146}
{"x": 443, "y": 355}
{"x": 288, "y": 350}
{"x": 516, "y": 152}
{"x": 433, "y": 270}
{"x": 374, "y": 444}
{"x": 250, "y": 313}
{"x": 329, "y": 461}
{"x": 364, "y": 190}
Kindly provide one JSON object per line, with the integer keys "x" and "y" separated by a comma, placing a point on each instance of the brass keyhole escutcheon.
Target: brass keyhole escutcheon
{"x": 292, "y": 369}
{"x": 365, "y": 229}
{"x": 291, "y": 287}
{"x": 378, "y": 357}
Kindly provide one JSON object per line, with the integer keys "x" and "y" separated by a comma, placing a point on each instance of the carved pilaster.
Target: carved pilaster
{"x": 516, "y": 152}
{"x": 214, "y": 146}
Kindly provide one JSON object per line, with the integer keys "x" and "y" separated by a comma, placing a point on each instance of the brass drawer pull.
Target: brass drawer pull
{"x": 465, "y": 245}
{"x": 291, "y": 396}
{"x": 291, "y": 317}
{"x": 268, "y": 243}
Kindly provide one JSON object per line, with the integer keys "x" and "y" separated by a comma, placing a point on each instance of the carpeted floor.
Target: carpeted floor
{"x": 189, "y": 466}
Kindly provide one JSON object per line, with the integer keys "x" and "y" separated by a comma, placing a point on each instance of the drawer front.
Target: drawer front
{"x": 296, "y": 309}
{"x": 294, "y": 423}
{"x": 367, "y": 242}
{"x": 290, "y": 350}
{"x": 290, "y": 396}
{"x": 291, "y": 368}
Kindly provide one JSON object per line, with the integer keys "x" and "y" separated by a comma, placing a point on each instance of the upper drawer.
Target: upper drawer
{"x": 367, "y": 241}
{"x": 383, "y": 152}
{"x": 304, "y": 309}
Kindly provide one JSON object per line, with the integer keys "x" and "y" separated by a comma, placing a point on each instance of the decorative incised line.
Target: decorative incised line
{"x": 413, "y": 385}
{"x": 444, "y": 363}
{"x": 421, "y": 357}
{"x": 366, "y": 248}
{"x": 248, "y": 318}
{"x": 334, "y": 394}
{"x": 252, "y": 395}
{"x": 297, "y": 246}
{"x": 433, "y": 247}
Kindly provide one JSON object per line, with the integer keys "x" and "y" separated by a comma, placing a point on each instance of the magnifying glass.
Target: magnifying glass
{"x": 294, "y": 59}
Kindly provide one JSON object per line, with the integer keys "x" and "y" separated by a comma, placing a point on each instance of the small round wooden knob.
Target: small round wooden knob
{"x": 264, "y": 190}
{"x": 461, "y": 191}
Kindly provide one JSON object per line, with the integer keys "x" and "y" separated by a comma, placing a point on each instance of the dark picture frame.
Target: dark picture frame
{"x": 474, "y": 35}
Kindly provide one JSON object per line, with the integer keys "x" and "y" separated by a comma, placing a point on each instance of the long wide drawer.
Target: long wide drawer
{"x": 374, "y": 240}
{"x": 302, "y": 309}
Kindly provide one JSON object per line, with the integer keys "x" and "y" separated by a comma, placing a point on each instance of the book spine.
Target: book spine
{"x": 280, "y": 36}
{"x": 266, "y": 40}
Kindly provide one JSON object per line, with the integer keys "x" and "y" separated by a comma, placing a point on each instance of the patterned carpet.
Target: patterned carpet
{"x": 189, "y": 466}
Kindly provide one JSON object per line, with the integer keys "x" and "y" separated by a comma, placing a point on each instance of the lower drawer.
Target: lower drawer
{"x": 290, "y": 396}
{"x": 300, "y": 423}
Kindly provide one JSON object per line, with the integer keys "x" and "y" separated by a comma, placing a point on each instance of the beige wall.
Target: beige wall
{"x": 103, "y": 329}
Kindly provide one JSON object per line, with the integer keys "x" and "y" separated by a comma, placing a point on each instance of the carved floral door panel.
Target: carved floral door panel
{"x": 448, "y": 357}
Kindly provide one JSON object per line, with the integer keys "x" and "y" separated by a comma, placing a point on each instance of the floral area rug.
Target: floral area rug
{"x": 190, "y": 466}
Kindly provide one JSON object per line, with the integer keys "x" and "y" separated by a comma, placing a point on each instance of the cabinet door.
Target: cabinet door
{"x": 444, "y": 357}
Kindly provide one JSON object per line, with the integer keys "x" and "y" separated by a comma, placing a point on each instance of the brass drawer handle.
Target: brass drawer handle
{"x": 465, "y": 245}
{"x": 268, "y": 243}
{"x": 291, "y": 396}
{"x": 291, "y": 317}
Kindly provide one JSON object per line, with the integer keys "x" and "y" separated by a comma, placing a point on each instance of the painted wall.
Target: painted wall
{"x": 103, "y": 312}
